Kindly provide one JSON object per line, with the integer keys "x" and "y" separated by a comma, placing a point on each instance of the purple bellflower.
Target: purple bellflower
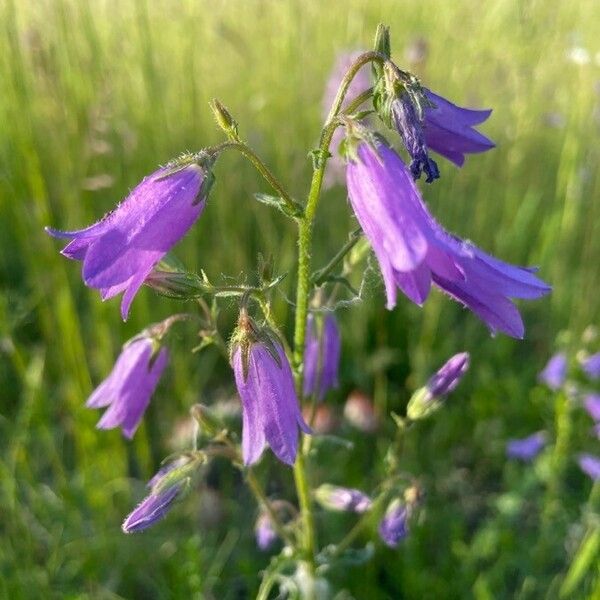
{"x": 555, "y": 371}
{"x": 394, "y": 526}
{"x": 591, "y": 404}
{"x": 338, "y": 498}
{"x": 591, "y": 366}
{"x": 271, "y": 414}
{"x": 127, "y": 390}
{"x": 157, "y": 504}
{"x": 322, "y": 355}
{"x": 265, "y": 533}
{"x": 119, "y": 252}
{"x": 414, "y": 251}
{"x": 590, "y": 465}
{"x": 526, "y": 449}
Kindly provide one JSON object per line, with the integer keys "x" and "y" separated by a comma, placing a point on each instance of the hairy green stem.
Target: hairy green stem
{"x": 321, "y": 275}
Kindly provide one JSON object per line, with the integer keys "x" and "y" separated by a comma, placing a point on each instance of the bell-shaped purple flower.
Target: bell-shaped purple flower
{"x": 414, "y": 251}
{"x": 322, "y": 355}
{"x": 344, "y": 499}
{"x": 591, "y": 404}
{"x": 271, "y": 414}
{"x": 127, "y": 390}
{"x": 555, "y": 371}
{"x": 449, "y": 129}
{"x": 265, "y": 533}
{"x": 590, "y": 465}
{"x": 526, "y": 449}
{"x": 394, "y": 526}
{"x": 158, "y": 502}
{"x": 591, "y": 366}
{"x": 119, "y": 252}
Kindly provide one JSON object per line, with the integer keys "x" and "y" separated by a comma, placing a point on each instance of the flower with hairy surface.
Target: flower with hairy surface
{"x": 394, "y": 526}
{"x": 127, "y": 390}
{"x": 119, "y": 252}
{"x": 264, "y": 380}
{"x": 322, "y": 355}
{"x": 591, "y": 366}
{"x": 526, "y": 449}
{"x": 555, "y": 371}
{"x": 158, "y": 503}
{"x": 339, "y": 498}
{"x": 414, "y": 251}
{"x": 590, "y": 465}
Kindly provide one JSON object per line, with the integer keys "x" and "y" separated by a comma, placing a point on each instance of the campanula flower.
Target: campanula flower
{"x": 526, "y": 449}
{"x": 430, "y": 397}
{"x": 271, "y": 414}
{"x": 334, "y": 497}
{"x": 158, "y": 502}
{"x": 119, "y": 252}
{"x": 394, "y": 526}
{"x": 591, "y": 404}
{"x": 414, "y": 251}
{"x": 127, "y": 390}
{"x": 590, "y": 465}
{"x": 265, "y": 533}
{"x": 591, "y": 366}
{"x": 322, "y": 355}
{"x": 555, "y": 371}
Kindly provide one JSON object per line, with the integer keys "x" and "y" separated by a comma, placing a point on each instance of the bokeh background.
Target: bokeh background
{"x": 95, "y": 94}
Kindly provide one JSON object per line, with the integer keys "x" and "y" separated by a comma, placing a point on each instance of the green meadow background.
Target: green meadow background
{"x": 96, "y": 94}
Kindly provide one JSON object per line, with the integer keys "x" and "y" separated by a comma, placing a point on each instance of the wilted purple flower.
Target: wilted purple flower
{"x": 555, "y": 371}
{"x": 265, "y": 533}
{"x": 590, "y": 465}
{"x": 339, "y": 498}
{"x": 413, "y": 250}
{"x": 271, "y": 414}
{"x": 591, "y": 365}
{"x": 361, "y": 82}
{"x": 128, "y": 388}
{"x": 449, "y": 129}
{"x": 591, "y": 404}
{"x": 394, "y": 526}
{"x": 321, "y": 356}
{"x": 119, "y": 251}
{"x": 157, "y": 504}
{"x": 526, "y": 449}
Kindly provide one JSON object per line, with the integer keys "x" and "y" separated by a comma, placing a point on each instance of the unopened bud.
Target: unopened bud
{"x": 208, "y": 422}
{"x": 224, "y": 119}
{"x": 338, "y": 498}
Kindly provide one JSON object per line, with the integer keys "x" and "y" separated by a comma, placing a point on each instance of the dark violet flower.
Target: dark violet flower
{"x": 591, "y": 404}
{"x": 555, "y": 371}
{"x": 119, "y": 252}
{"x": 413, "y": 250}
{"x": 271, "y": 414}
{"x": 526, "y": 449}
{"x": 127, "y": 390}
{"x": 158, "y": 503}
{"x": 590, "y": 465}
{"x": 429, "y": 398}
{"x": 394, "y": 526}
{"x": 322, "y": 355}
{"x": 591, "y": 366}
{"x": 449, "y": 129}
{"x": 266, "y": 536}
{"x": 334, "y": 497}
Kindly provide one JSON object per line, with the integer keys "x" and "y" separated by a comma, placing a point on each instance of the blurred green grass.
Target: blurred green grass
{"x": 112, "y": 89}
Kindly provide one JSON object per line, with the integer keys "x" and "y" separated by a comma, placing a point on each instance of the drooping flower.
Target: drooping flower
{"x": 555, "y": 371}
{"x": 414, "y": 251}
{"x": 264, "y": 380}
{"x": 591, "y": 404}
{"x": 127, "y": 390}
{"x": 158, "y": 502}
{"x": 429, "y": 398}
{"x": 334, "y": 497}
{"x": 119, "y": 252}
{"x": 265, "y": 533}
{"x": 321, "y": 356}
{"x": 590, "y": 465}
{"x": 591, "y": 366}
{"x": 394, "y": 526}
{"x": 526, "y": 449}
{"x": 362, "y": 81}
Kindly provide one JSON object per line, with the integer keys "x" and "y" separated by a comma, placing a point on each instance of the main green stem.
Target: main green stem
{"x": 305, "y": 226}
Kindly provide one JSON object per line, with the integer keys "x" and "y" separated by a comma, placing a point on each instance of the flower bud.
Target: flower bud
{"x": 209, "y": 423}
{"x": 338, "y": 498}
{"x": 265, "y": 533}
{"x": 394, "y": 526}
{"x": 224, "y": 119}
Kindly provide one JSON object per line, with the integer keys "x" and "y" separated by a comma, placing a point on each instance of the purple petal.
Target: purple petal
{"x": 590, "y": 465}
{"x": 526, "y": 449}
{"x": 394, "y": 526}
{"x": 591, "y": 366}
{"x": 592, "y": 405}
{"x": 555, "y": 372}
